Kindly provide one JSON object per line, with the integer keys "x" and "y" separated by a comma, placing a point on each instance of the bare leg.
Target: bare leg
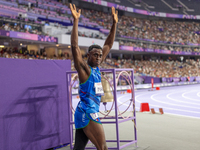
{"x": 94, "y": 131}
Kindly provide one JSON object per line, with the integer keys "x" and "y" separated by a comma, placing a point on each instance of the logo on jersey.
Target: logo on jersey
{"x": 94, "y": 115}
{"x": 83, "y": 117}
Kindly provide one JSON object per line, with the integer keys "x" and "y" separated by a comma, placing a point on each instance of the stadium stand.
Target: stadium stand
{"x": 35, "y": 54}
{"x": 169, "y": 35}
{"x": 154, "y": 68}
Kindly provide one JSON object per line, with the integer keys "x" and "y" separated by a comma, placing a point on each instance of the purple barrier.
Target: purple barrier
{"x": 47, "y": 39}
{"x": 34, "y": 37}
{"x": 175, "y": 79}
{"x": 149, "y": 50}
{"x": 8, "y": 11}
{"x": 54, "y": 18}
{"x": 197, "y": 78}
{"x": 9, "y": 3}
{"x": 159, "y": 41}
{"x": 138, "y": 49}
{"x": 168, "y": 80}
{"x": 180, "y": 79}
{"x": 32, "y": 17}
{"x": 23, "y": 35}
{"x": 4, "y": 33}
{"x": 33, "y": 106}
{"x": 147, "y": 79}
{"x": 106, "y": 31}
{"x": 35, "y": 15}
{"x": 163, "y": 51}
{"x": 182, "y": 53}
{"x": 130, "y": 48}
{"x": 192, "y": 79}
{"x": 164, "y": 79}
{"x": 183, "y": 79}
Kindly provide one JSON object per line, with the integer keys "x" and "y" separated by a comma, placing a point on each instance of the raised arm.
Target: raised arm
{"x": 111, "y": 37}
{"x": 74, "y": 36}
{"x": 81, "y": 67}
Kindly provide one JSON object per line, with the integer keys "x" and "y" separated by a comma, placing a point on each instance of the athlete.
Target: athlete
{"x": 87, "y": 122}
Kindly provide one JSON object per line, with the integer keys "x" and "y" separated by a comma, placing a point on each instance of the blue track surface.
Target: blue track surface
{"x": 177, "y": 100}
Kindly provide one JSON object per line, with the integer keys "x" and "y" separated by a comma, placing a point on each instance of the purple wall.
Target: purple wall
{"x": 33, "y": 106}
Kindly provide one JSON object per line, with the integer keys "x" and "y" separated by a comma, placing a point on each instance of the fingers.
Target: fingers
{"x": 74, "y": 6}
{"x": 113, "y": 11}
{"x": 70, "y": 5}
{"x": 79, "y": 11}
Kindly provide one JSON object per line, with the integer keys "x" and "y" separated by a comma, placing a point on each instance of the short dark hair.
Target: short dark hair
{"x": 94, "y": 46}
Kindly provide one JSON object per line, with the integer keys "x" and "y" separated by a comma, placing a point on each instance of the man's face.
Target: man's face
{"x": 95, "y": 57}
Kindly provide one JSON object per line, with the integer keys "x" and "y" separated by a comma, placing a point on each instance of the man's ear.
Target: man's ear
{"x": 88, "y": 55}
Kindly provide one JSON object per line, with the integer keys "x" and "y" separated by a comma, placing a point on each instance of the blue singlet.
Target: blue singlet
{"x": 88, "y": 106}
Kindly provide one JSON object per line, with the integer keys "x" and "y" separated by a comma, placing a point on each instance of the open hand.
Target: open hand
{"x": 115, "y": 15}
{"x": 75, "y": 14}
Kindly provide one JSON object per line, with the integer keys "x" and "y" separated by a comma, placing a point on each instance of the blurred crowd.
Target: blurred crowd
{"x": 21, "y": 54}
{"x": 155, "y": 68}
{"x": 159, "y": 46}
{"x": 19, "y": 28}
{"x": 169, "y": 31}
{"x": 173, "y": 32}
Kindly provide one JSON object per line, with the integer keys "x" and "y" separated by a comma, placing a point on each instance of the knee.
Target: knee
{"x": 104, "y": 147}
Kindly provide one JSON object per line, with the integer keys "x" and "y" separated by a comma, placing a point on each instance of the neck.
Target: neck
{"x": 92, "y": 66}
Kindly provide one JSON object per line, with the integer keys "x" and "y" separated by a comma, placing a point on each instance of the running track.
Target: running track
{"x": 176, "y": 100}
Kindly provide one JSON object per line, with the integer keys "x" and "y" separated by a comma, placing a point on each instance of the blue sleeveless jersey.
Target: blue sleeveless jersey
{"x": 89, "y": 100}
{"x": 88, "y": 105}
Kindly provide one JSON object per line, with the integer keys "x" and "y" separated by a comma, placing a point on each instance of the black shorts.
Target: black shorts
{"x": 81, "y": 140}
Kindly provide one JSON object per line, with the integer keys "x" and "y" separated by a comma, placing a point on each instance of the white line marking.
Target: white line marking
{"x": 178, "y": 100}
{"x": 120, "y": 101}
{"x": 198, "y": 94}
{"x": 152, "y": 97}
{"x": 136, "y": 98}
{"x": 183, "y": 95}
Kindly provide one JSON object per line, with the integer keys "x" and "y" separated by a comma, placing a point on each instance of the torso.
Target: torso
{"x": 89, "y": 99}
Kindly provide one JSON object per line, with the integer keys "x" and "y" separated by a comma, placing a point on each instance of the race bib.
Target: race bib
{"x": 94, "y": 115}
{"x": 98, "y": 88}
